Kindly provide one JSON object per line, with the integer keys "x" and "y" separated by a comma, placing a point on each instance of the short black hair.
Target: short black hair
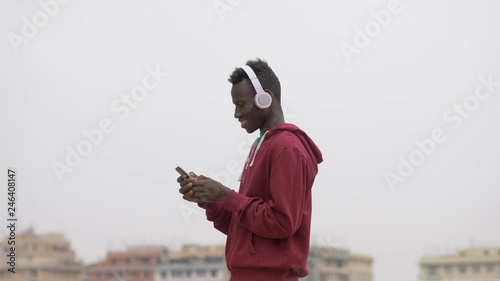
{"x": 264, "y": 73}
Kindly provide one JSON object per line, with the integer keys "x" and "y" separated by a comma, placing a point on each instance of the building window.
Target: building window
{"x": 178, "y": 261}
{"x": 133, "y": 275}
{"x": 475, "y": 268}
{"x": 200, "y": 272}
{"x": 213, "y": 273}
{"x": 213, "y": 260}
{"x": 490, "y": 267}
{"x": 462, "y": 268}
{"x": 163, "y": 274}
{"x": 431, "y": 270}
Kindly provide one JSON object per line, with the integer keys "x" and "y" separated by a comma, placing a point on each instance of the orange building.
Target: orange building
{"x": 134, "y": 264}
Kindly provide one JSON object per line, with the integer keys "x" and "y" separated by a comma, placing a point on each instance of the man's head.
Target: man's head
{"x": 243, "y": 94}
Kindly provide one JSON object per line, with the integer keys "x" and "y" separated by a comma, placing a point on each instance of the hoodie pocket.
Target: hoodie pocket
{"x": 252, "y": 247}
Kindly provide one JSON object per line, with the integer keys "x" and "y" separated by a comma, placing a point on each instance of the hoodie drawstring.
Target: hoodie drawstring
{"x": 257, "y": 148}
{"x": 253, "y": 154}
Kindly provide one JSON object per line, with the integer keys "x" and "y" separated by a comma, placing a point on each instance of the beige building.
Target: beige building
{"x": 194, "y": 263}
{"x": 46, "y": 257}
{"x": 336, "y": 264}
{"x": 470, "y": 264}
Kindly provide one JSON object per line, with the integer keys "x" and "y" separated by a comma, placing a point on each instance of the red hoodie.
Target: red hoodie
{"x": 268, "y": 221}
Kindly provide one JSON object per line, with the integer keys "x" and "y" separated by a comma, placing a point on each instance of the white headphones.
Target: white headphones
{"x": 262, "y": 99}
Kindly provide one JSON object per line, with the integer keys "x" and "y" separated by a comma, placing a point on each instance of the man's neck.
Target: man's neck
{"x": 275, "y": 118}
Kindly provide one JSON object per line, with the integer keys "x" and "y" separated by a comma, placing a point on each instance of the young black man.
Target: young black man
{"x": 268, "y": 220}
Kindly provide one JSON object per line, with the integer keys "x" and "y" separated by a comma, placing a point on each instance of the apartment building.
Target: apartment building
{"x": 473, "y": 264}
{"x": 194, "y": 263}
{"x": 136, "y": 263}
{"x": 41, "y": 257}
{"x": 337, "y": 264}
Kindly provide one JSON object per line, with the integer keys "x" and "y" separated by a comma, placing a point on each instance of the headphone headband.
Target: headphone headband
{"x": 262, "y": 98}
{"x": 253, "y": 78}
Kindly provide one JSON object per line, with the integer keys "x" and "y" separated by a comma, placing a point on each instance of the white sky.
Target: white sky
{"x": 362, "y": 115}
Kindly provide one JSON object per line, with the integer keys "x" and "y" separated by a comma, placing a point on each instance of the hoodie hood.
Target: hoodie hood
{"x": 311, "y": 147}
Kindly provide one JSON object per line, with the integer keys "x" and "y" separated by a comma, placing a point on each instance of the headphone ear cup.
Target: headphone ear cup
{"x": 263, "y": 100}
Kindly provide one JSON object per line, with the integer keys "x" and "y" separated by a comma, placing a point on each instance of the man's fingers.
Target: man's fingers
{"x": 185, "y": 188}
{"x": 199, "y": 182}
{"x": 190, "y": 192}
{"x": 186, "y": 181}
{"x": 198, "y": 189}
{"x": 192, "y": 188}
{"x": 188, "y": 195}
{"x": 182, "y": 178}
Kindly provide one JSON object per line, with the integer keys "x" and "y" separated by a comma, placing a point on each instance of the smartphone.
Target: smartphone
{"x": 182, "y": 172}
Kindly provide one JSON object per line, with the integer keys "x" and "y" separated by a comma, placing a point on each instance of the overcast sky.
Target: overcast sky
{"x": 151, "y": 76}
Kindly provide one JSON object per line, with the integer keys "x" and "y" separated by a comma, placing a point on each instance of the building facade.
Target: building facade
{"x": 46, "y": 257}
{"x": 202, "y": 263}
{"x": 336, "y": 264}
{"x": 194, "y": 263}
{"x": 134, "y": 264}
{"x": 470, "y": 264}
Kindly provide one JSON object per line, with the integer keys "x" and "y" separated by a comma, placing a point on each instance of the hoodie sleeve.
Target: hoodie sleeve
{"x": 217, "y": 214}
{"x": 281, "y": 216}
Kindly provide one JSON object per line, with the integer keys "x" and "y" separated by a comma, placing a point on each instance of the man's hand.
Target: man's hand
{"x": 201, "y": 189}
{"x": 208, "y": 190}
{"x": 186, "y": 185}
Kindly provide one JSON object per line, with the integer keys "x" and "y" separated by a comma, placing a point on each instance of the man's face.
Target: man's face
{"x": 250, "y": 117}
